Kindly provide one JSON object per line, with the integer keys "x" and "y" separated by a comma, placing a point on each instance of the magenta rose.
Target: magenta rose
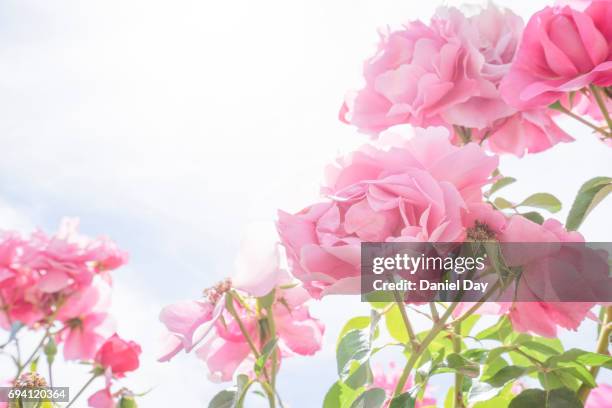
{"x": 562, "y": 50}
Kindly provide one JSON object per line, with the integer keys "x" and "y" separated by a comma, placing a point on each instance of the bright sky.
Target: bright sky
{"x": 169, "y": 125}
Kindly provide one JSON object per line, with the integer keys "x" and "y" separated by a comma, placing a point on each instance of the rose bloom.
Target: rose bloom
{"x": 118, "y": 355}
{"x": 414, "y": 189}
{"x": 563, "y": 50}
{"x": 449, "y": 73}
{"x": 425, "y": 75}
{"x": 539, "y": 317}
{"x": 220, "y": 343}
{"x": 87, "y": 323}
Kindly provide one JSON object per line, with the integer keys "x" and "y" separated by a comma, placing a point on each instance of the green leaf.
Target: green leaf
{"x": 354, "y": 346}
{"x": 372, "y": 398}
{"x": 559, "y": 398}
{"x": 499, "y": 184}
{"x": 541, "y": 348}
{"x": 267, "y": 301}
{"x": 468, "y": 324}
{"x": 542, "y": 200}
{"x": 481, "y": 391}
{"x": 395, "y": 325}
{"x": 590, "y": 194}
{"x": 404, "y": 400}
{"x": 462, "y": 365}
{"x": 450, "y": 398}
{"x": 127, "y": 402}
{"x": 243, "y": 383}
{"x": 224, "y": 399}
{"x": 499, "y": 331}
{"x": 356, "y": 323}
{"x": 266, "y": 352}
{"x": 339, "y": 396}
{"x": 505, "y": 375}
{"x": 359, "y": 375}
{"x": 502, "y": 204}
{"x": 534, "y": 216}
{"x": 586, "y": 358}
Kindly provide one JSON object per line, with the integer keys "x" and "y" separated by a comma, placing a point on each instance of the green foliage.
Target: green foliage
{"x": 232, "y": 398}
{"x": 354, "y": 346}
{"x": 462, "y": 365}
{"x": 499, "y": 184}
{"x": 224, "y": 399}
{"x": 534, "y": 216}
{"x": 559, "y": 398}
{"x": 266, "y": 352}
{"x": 544, "y": 201}
{"x": 339, "y": 395}
{"x": 372, "y": 398}
{"x": 590, "y": 194}
{"x": 395, "y": 325}
{"x": 356, "y": 323}
{"x": 404, "y": 400}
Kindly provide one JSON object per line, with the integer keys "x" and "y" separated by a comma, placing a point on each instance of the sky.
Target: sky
{"x": 170, "y": 125}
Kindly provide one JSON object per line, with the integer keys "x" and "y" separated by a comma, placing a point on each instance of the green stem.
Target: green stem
{"x": 458, "y": 402}
{"x": 602, "y": 105}
{"x": 579, "y": 118}
{"x": 477, "y": 306}
{"x": 415, "y": 354}
{"x": 36, "y": 350}
{"x": 602, "y": 348}
{"x": 82, "y": 390}
{"x": 406, "y": 320}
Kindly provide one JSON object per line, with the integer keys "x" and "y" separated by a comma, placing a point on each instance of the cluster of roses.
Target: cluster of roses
{"x": 490, "y": 80}
{"x": 60, "y": 286}
{"x": 441, "y": 101}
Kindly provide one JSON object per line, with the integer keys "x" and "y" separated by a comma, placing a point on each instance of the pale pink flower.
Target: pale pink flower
{"x": 409, "y": 81}
{"x": 102, "y": 399}
{"x": 425, "y": 75}
{"x": 224, "y": 347}
{"x": 548, "y": 256}
{"x": 414, "y": 190}
{"x": 297, "y": 331}
{"x": 599, "y": 397}
{"x": 87, "y": 323}
{"x": 258, "y": 267}
{"x": 387, "y": 378}
{"x": 530, "y": 131}
{"x": 562, "y": 50}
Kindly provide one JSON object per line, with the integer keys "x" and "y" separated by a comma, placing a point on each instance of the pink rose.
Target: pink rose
{"x": 404, "y": 86}
{"x": 562, "y": 50}
{"x": 599, "y": 397}
{"x": 118, "y": 355}
{"x": 224, "y": 348}
{"x": 102, "y": 399}
{"x": 87, "y": 323}
{"x": 570, "y": 263}
{"x": 430, "y": 75}
{"x": 415, "y": 190}
{"x": 258, "y": 265}
{"x": 531, "y": 131}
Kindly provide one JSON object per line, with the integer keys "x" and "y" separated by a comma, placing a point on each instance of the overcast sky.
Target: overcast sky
{"x": 169, "y": 125}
